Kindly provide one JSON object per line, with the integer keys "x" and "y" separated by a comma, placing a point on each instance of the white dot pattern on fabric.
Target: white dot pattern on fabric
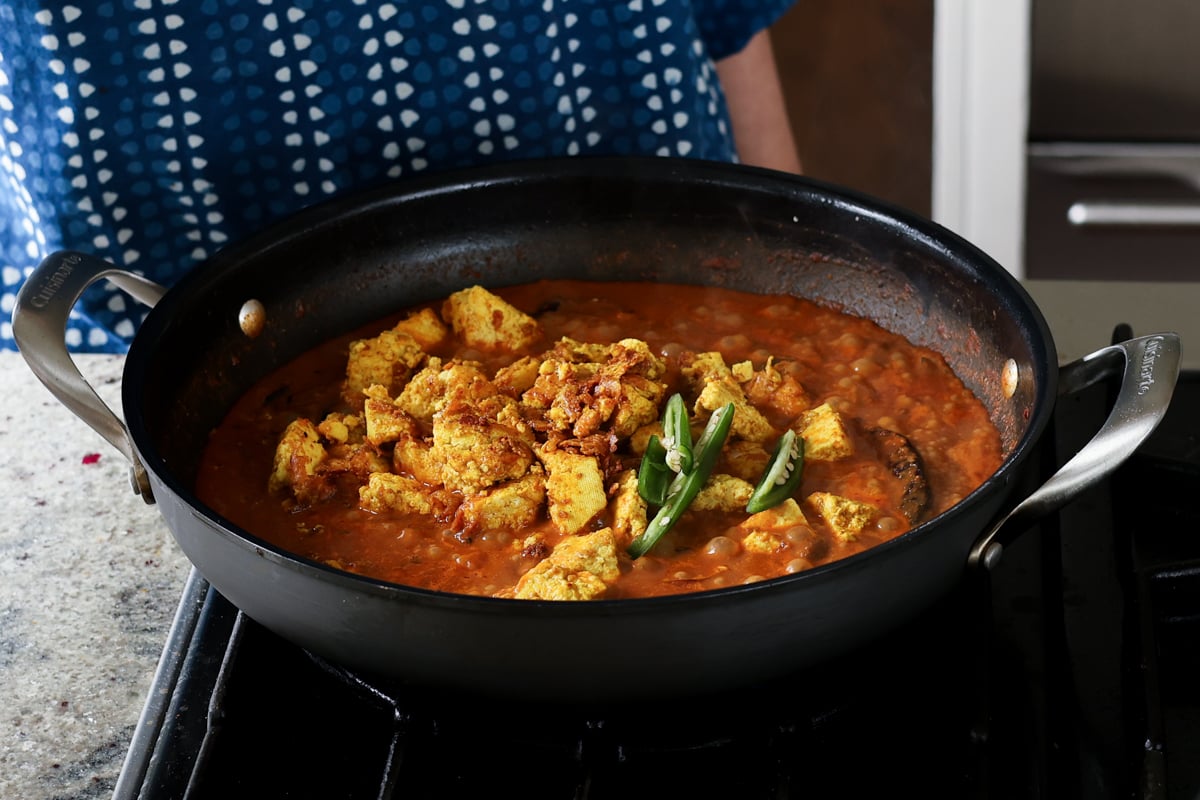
{"x": 154, "y": 132}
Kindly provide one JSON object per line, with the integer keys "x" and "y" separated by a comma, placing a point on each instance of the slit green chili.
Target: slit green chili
{"x": 677, "y": 435}
{"x": 782, "y": 475}
{"x": 686, "y": 485}
{"x": 654, "y": 476}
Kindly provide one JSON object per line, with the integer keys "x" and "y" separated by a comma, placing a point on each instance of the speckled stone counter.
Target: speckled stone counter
{"x": 89, "y": 582}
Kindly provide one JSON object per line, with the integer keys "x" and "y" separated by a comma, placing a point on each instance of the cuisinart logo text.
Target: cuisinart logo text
{"x": 1149, "y": 356}
{"x": 52, "y": 284}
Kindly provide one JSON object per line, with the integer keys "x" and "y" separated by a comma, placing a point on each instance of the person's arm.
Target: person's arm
{"x": 762, "y": 131}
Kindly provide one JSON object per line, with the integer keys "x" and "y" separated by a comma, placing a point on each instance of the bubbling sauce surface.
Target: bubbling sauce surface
{"x": 788, "y": 356}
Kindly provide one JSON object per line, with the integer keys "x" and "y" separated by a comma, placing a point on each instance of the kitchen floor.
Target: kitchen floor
{"x": 857, "y": 76}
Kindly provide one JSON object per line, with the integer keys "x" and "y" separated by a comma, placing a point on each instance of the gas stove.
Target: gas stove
{"x": 1068, "y": 673}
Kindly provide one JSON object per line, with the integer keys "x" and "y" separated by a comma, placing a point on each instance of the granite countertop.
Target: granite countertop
{"x": 89, "y": 582}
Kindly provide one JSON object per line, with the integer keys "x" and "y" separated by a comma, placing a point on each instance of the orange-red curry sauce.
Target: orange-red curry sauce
{"x": 874, "y": 379}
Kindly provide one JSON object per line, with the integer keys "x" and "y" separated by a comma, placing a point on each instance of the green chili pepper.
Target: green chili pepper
{"x": 672, "y": 453}
{"x": 686, "y": 485}
{"x": 677, "y": 435}
{"x": 653, "y": 475}
{"x": 782, "y": 476}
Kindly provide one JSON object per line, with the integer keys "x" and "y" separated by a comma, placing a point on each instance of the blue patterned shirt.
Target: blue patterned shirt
{"x": 154, "y": 132}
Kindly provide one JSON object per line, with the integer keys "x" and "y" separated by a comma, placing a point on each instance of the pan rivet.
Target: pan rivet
{"x": 252, "y": 318}
{"x": 1008, "y": 378}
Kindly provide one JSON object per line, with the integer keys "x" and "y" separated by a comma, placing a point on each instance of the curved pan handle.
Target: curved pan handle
{"x": 1149, "y": 366}
{"x": 39, "y": 321}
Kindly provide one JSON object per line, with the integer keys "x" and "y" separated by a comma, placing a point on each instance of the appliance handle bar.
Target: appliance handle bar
{"x": 1133, "y": 214}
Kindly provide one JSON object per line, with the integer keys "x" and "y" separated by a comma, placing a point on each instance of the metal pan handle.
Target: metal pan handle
{"x": 1149, "y": 369}
{"x": 39, "y": 321}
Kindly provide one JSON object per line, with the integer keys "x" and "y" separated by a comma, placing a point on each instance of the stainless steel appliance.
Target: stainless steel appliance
{"x": 1113, "y": 178}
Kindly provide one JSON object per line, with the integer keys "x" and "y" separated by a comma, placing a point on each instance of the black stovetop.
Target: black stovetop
{"x": 1071, "y": 677}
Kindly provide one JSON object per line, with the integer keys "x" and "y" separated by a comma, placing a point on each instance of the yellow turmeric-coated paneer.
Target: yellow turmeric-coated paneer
{"x": 385, "y": 491}
{"x": 722, "y": 493}
{"x": 413, "y": 455}
{"x": 476, "y": 452}
{"x": 509, "y": 506}
{"x": 824, "y": 434}
{"x": 579, "y": 568}
{"x": 358, "y": 460}
{"x": 845, "y": 517}
{"x": 787, "y": 514}
{"x": 385, "y": 421}
{"x": 629, "y": 510}
{"x": 745, "y": 460}
{"x": 574, "y": 489}
{"x": 716, "y": 388}
{"x": 763, "y": 542}
{"x": 771, "y": 390}
{"x": 557, "y": 391}
{"x": 482, "y": 320}
{"x": 441, "y": 383}
{"x": 425, "y": 327}
{"x": 641, "y": 437}
{"x": 387, "y": 359}
{"x": 583, "y": 389}
{"x": 638, "y": 373}
{"x": 341, "y": 428}
{"x": 297, "y": 456}
{"x": 518, "y": 376}
{"x": 546, "y": 581}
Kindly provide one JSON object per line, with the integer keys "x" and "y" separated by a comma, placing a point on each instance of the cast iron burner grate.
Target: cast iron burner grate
{"x": 253, "y": 715}
{"x": 1159, "y": 517}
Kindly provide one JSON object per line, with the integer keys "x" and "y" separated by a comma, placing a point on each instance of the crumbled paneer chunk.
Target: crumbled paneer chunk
{"x": 722, "y": 493}
{"x": 763, "y": 542}
{"x": 476, "y": 452}
{"x": 638, "y": 372}
{"x": 342, "y": 428}
{"x": 778, "y": 518}
{"x": 772, "y": 390}
{"x": 483, "y": 320}
{"x": 414, "y": 455}
{"x": 388, "y": 492}
{"x": 549, "y": 582}
{"x": 579, "y": 568}
{"x": 386, "y": 422}
{"x": 594, "y": 552}
{"x": 387, "y": 359}
{"x": 824, "y": 434}
{"x": 641, "y": 437}
{"x": 440, "y": 384}
{"x": 716, "y": 387}
{"x": 583, "y": 389}
{"x": 845, "y": 517}
{"x": 629, "y": 509}
{"x": 518, "y": 376}
{"x": 359, "y": 460}
{"x": 425, "y": 327}
{"x": 297, "y": 457}
{"x": 533, "y": 546}
{"x": 573, "y": 351}
{"x": 509, "y": 506}
{"x": 574, "y": 489}
{"x": 745, "y": 460}
{"x": 558, "y": 391}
